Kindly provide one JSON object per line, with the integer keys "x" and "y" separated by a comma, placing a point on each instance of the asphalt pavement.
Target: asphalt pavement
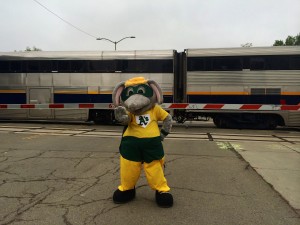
{"x": 57, "y": 179}
{"x": 278, "y": 164}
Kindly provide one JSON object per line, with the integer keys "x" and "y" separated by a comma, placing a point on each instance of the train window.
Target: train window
{"x": 15, "y": 66}
{"x": 295, "y": 63}
{"x": 32, "y": 66}
{"x": 144, "y": 66}
{"x": 196, "y": 64}
{"x": 265, "y": 91}
{"x": 136, "y": 66}
{"x": 4, "y": 66}
{"x": 54, "y": 66}
{"x": 79, "y": 66}
{"x": 258, "y": 91}
{"x": 46, "y": 66}
{"x": 225, "y": 64}
{"x": 246, "y": 62}
{"x": 160, "y": 66}
{"x": 257, "y": 63}
{"x": 121, "y": 65}
{"x": 64, "y": 66}
{"x": 273, "y": 91}
{"x": 102, "y": 66}
{"x": 277, "y": 62}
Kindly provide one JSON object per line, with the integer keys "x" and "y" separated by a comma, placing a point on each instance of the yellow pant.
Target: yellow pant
{"x": 130, "y": 173}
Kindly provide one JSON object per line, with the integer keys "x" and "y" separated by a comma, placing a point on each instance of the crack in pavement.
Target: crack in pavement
{"x": 208, "y": 192}
{"x": 78, "y": 186}
{"x": 81, "y": 159}
{"x": 11, "y": 217}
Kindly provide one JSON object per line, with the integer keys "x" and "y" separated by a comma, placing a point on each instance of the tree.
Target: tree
{"x": 278, "y": 43}
{"x": 28, "y": 49}
{"x": 297, "y": 39}
{"x": 289, "y": 41}
{"x": 247, "y": 45}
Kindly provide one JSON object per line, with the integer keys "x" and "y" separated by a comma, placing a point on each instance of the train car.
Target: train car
{"x": 251, "y": 87}
{"x": 237, "y": 87}
{"x": 57, "y": 78}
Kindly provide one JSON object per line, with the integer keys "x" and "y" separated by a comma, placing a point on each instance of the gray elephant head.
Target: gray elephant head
{"x": 137, "y": 95}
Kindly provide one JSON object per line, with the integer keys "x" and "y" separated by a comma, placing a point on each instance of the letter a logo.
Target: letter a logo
{"x": 143, "y": 120}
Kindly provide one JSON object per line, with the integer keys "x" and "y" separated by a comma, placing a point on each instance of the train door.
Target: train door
{"x": 40, "y": 96}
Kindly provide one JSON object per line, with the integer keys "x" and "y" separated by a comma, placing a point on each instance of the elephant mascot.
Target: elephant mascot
{"x": 137, "y": 107}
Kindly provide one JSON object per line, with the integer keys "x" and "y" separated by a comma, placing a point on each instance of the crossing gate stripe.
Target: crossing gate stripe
{"x": 250, "y": 107}
{"x": 86, "y": 106}
{"x": 178, "y": 106}
{"x": 56, "y": 106}
{"x": 213, "y": 106}
{"x": 290, "y": 107}
{"x": 27, "y": 106}
{"x": 259, "y": 107}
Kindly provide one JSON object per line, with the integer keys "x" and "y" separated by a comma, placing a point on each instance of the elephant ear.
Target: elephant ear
{"x": 117, "y": 93}
{"x": 157, "y": 90}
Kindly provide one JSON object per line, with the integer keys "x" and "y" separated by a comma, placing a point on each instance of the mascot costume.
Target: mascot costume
{"x": 137, "y": 107}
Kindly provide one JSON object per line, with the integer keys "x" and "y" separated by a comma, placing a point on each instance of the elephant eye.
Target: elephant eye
{"x": 129, "y": 92}
{"x": 141, "y": 90}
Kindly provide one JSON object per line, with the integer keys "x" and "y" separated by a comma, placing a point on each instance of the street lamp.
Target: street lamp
{"x": 115, "y": 42}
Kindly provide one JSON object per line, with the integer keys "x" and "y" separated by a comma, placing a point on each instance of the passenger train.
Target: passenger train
{"x": 235, "y": 87}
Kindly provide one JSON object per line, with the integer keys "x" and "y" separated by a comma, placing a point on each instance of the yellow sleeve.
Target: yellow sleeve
{"x": 160, "y": 113}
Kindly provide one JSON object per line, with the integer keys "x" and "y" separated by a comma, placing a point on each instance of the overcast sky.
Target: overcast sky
{"x": 156, "y": 24}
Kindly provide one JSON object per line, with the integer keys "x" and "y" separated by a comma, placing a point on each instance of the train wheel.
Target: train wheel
{"x": 219, "y": 122}
{"x": 216, "y": 122}
{"x": 180, "y": 119}
{"x": 102, "y": 116}
{"x": 271, "y": 123}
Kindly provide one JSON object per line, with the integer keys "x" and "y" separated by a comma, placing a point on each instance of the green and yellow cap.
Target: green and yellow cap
{"x": 135, "y": 81}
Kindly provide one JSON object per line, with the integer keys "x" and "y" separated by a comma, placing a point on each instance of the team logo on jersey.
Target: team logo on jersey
{"x": 143, "y": 120}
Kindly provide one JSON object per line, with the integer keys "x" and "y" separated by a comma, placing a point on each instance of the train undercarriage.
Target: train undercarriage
{"x": 231, "y": 119}
{"x": 102, "y": 116}
{"x": 220, "y": 120}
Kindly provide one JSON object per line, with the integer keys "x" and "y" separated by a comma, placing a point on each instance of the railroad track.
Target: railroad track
{"x": 194, "y": 136}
